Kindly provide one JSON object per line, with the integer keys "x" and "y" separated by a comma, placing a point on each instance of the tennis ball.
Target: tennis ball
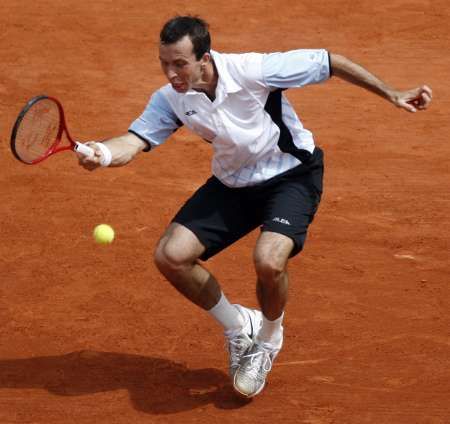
{"x": 103, "y": 234}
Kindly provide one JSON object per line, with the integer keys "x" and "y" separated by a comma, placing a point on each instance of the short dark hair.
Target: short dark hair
{"x": 196, "y": 28}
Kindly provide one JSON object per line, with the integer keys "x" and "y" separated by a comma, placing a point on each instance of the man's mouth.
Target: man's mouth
{"x": 178, "y": 85}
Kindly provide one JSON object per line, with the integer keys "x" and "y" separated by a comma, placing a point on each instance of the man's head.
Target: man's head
{"x": 195, "y": 28}
{"x": 184, "y": 51}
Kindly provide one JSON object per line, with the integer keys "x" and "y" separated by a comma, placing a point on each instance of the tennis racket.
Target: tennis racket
{"x": 38, "y": 132}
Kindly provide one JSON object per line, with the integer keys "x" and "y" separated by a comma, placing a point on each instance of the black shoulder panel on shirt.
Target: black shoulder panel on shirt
{"x": 329, "y": 64}
{"x": 149, "y": 146}
{"x": 286, "y": 143}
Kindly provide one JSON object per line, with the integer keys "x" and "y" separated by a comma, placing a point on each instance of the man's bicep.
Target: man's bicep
{"x": 296, "y": 68}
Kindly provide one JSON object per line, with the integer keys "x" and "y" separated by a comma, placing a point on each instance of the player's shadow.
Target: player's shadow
{"x": 155, "y": 385}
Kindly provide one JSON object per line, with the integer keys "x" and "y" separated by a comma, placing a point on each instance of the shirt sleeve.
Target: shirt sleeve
{"x": 296, "y": 68}
{"x": 157, "y": 123}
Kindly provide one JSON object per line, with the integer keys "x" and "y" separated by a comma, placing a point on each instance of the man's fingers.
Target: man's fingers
{"x": 416, "y": 99}
{"x": 90, "y": 162}
{"x": 422, "y": 100}
{"x": 426, "y": 99}
{"x": 408, "y": 106}
{"x": 428, "y": 91}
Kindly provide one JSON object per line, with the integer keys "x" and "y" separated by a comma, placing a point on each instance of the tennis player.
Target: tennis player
{"x": 266, "y": 172}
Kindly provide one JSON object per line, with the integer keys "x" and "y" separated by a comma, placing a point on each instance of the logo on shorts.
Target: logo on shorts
{"x": 190, "y": 112}
{"x": 281, "y": 221}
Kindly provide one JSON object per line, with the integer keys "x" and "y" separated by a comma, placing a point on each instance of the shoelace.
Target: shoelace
{"x": 263, "y": 359}
{"x": 235, "y": 345}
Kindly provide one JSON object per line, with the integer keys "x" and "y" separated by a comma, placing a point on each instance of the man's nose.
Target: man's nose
{"x": 171, "y": 74}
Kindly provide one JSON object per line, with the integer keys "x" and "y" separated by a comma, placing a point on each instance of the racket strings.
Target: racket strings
{"x": 37, "y": 130}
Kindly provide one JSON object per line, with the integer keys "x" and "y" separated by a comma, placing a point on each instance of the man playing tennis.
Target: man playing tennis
{"x": 267, "y": 173}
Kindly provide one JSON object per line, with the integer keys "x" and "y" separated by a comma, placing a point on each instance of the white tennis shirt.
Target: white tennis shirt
{"x": 245, "y": 121}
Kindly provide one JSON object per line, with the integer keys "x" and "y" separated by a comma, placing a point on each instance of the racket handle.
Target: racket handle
{"x": 87, "y": 151}
{"x": 84, "y": 150}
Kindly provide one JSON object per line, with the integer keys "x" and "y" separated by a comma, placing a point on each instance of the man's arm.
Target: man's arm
{"x": 151, "y": 129}
{"x": 123, "y": 149}
{"x": 411, "y": 100}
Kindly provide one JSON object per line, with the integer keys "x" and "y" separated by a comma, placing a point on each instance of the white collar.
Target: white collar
{"x": 225, "y": 82}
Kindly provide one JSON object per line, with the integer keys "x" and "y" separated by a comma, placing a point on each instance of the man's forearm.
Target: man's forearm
{"x": 124, "y": 148}
{"x": 356, "y": 74}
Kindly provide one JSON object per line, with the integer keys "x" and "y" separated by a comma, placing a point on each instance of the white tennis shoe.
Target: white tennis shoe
{"x": 250, "y": 377}
{"x": 239, "y": 341}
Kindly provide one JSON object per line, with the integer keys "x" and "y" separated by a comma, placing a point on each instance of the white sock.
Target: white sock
{"x": 226, "y": 314}
{"x": 271, "y": 331}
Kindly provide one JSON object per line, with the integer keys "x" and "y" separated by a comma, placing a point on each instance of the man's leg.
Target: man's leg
{"x": 176, "y": 256}
{"x": 271, "y": 256}
{"x": 288, "y": 206}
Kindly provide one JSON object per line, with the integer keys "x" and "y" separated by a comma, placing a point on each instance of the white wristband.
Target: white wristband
{"x": 106, "y": 158}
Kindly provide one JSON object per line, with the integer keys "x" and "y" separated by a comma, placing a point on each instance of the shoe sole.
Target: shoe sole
{"x": 248, "y": 396}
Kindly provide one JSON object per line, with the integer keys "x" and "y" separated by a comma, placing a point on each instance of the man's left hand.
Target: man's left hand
{"x": 413, "y": 100}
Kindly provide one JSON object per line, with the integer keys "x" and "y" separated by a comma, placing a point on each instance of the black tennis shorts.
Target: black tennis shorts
{"x": 286, "y": 204}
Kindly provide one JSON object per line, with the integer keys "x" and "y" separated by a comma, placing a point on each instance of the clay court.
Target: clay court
{"x": 93, "y": 334}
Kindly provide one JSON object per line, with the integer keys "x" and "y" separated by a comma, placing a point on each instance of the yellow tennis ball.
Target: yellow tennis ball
{"x": 103, "y": 234}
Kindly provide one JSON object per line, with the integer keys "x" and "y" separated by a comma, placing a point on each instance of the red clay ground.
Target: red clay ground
{"x": 92, "y": 334}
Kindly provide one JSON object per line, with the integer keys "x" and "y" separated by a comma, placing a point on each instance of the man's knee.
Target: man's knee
{"x": 166, "y": 259}
{"x": 271, "y": 256}
{"x": 268, "y": 268}
{"x": 176, "y": 250}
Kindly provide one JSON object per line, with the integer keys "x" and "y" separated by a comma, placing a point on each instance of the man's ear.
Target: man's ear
{"x": 206, "y": 58}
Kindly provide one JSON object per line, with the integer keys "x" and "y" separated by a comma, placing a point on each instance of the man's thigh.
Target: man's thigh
{"x": 218, "y": 216}
{"x": 292, "y": 205}
{"x": 272, "y": 250}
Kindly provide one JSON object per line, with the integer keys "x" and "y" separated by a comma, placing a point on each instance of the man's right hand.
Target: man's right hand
{"x": 91, "y": 162}
{"x": 117, "y": 151}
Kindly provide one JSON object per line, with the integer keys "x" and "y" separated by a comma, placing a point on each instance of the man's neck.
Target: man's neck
{"x": 208, "y": 84}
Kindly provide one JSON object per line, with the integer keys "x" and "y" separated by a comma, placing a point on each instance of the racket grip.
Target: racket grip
{"x": 84, "y": 150}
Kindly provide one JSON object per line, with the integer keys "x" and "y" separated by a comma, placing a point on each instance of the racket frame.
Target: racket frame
{"x": 74, "y": 146}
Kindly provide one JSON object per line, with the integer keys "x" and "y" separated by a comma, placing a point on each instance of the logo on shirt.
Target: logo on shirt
{"x": 281, "y": 221}
{"x": 190, "y": 112}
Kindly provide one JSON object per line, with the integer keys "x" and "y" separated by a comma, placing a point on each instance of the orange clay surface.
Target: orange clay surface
{"x": 93, "y": 334}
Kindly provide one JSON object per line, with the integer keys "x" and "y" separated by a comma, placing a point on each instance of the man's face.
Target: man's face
{"x": 179, "y": 64}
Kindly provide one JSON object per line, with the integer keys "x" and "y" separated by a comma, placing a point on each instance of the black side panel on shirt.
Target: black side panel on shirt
{"x": 286, "y": 144}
